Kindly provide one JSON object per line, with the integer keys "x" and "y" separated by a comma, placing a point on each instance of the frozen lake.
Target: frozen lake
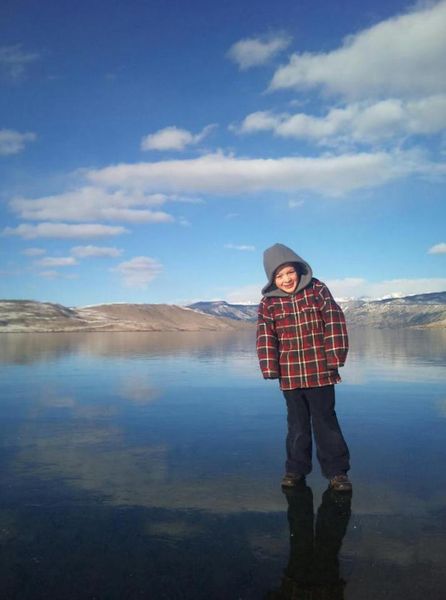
{"x": 140, "y": 465}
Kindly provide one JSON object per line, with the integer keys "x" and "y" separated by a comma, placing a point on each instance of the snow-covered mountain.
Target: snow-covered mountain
{"x": 420, "y": 310}
{"x": 220, "y": 308}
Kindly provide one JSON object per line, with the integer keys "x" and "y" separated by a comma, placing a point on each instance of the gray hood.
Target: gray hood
{"x": 278, "y": 255}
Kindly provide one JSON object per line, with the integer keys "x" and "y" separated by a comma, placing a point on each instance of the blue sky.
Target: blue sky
{"x": 151, "y": 150}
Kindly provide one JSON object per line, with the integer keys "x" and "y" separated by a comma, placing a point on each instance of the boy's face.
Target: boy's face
{"x": 286, "y": 278}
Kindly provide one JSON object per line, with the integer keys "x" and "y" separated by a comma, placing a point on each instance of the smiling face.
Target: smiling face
{"x": 286, "y": 278}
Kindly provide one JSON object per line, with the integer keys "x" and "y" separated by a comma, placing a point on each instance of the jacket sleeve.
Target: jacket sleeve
{"x": 335, "y": 330}
{"x": 267, "y": 343}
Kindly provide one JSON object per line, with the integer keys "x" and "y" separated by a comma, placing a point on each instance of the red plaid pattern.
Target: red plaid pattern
{"x": 302, "y": 339}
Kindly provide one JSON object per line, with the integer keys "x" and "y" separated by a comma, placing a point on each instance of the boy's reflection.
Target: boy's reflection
{"x": 312, "y": 572}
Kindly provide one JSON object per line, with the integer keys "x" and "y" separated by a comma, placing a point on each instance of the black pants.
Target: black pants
{"x": 314, "y": 408}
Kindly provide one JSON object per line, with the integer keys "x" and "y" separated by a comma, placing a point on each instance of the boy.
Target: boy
{"x": 302, "y": 340}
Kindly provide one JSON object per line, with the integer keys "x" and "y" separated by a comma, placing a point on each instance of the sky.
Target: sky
{"x": 150, "y": 151}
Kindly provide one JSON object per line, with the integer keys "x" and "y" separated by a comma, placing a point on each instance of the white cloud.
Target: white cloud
{"x": 220, "y": 174}
{"x": 96, "y": 251}
{"x": 184, "y": 222}
{"x": 402, "y": 56}
{"x": 56, "y": 275}
{"x": 438, "y": 249}
{"x": 241, "y": 247}
{"x": 173, "y": 138}
{"x": 33, "y": 251}
{"x": 62, "y": 230}
{"x": 249, "y": 294}
{"x": 91, "y": 203}
{"x": 295, "y": 203}
{"x": 185, "y": 200}
{"x": 262, "y": 120}
{"x": 357, "y": 122}
{"x": 13, "y": 60}
{"x": 49, "y": 274}
{"x": 252, "y": 52}
{"x": 59, "y": 261}
{"x": 139, "y": 271}
{"x": 13, "y": 142}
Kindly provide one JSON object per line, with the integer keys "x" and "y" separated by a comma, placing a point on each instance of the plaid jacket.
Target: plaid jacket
{"x": 302, "y": 338}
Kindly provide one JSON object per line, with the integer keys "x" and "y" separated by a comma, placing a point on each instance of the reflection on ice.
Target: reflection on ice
{"x": 23, "y": 348}
{"x": 125, "y": 451}
{"x": 401, "y": 354}
{"x": 313, "y": 565}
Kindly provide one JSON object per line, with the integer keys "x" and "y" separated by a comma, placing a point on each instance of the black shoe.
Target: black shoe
{"x": 290, "y": 480}
{"x": 341, "y": 483}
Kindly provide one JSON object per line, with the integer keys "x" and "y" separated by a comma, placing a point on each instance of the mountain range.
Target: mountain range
{"x": 29, "y": 315}
{"x": 421, "y": 310}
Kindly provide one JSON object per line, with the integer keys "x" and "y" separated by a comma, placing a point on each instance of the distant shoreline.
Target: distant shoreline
{"x": 29, "y": 316}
